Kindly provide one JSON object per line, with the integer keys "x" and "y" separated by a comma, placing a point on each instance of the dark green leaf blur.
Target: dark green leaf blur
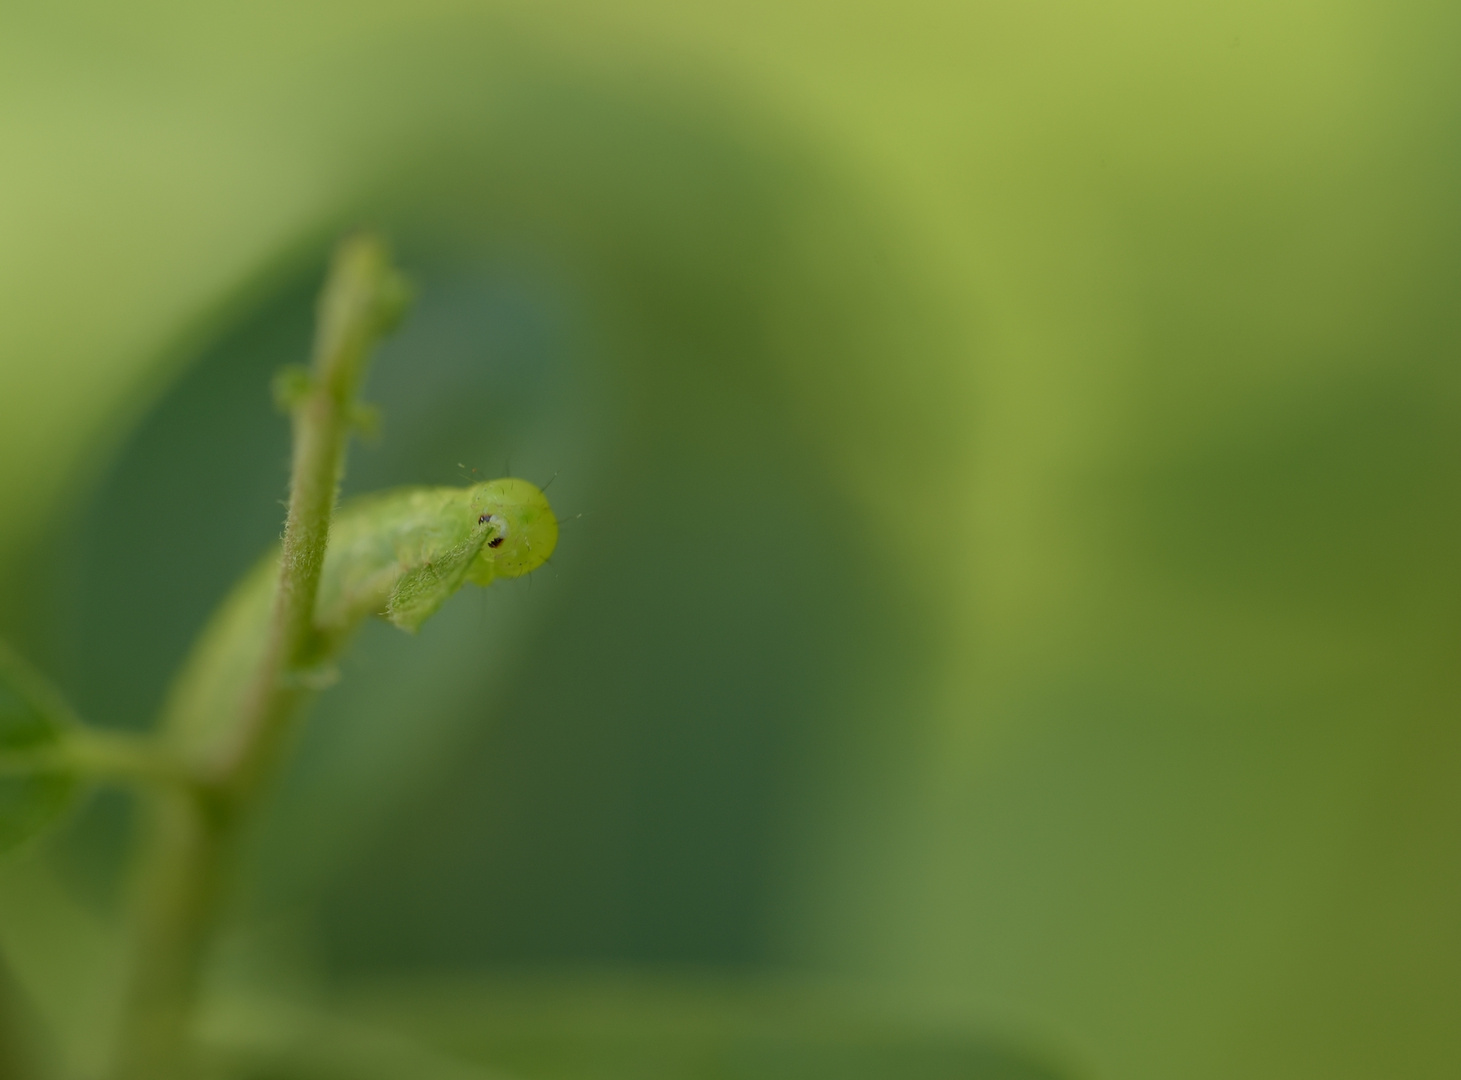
{"x": 1007, "y": 615}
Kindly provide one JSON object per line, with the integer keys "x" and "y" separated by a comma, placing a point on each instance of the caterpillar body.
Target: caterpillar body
{"x": 396, "y": 554}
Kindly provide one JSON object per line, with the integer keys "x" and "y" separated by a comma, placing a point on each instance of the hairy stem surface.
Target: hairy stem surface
{"x": 194, "y": 828}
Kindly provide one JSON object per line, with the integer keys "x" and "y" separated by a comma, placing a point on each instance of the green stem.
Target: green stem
{"x": 362, "y": 299}
{"x": 195, "y": 830}
{"x": 65, "y": 745}
{"x": 102, "y": 755}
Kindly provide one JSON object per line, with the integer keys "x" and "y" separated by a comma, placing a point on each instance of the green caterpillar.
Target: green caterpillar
{"x": 395, "y": 554}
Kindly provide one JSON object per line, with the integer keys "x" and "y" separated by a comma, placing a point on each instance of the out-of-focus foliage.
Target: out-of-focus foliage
{"x": 1017, "y": 445}
{"x": 30, "y": 721}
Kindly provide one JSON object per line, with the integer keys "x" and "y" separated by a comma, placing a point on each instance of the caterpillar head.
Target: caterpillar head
{"x": 522, "y": 531}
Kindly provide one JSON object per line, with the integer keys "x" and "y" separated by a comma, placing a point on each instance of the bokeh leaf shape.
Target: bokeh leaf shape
{"x": 32, "y": 718}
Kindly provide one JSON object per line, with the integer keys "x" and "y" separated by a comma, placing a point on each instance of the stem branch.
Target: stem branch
{"x": 195, "y": 828}
{"x": 95, "y": 754}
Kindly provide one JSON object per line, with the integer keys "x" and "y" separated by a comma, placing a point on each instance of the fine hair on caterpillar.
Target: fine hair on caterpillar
{"x": 523, "y": 530}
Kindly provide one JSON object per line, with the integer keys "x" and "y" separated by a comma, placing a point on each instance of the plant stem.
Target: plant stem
{"x": 97, "y": 754}
{"x": 361, "y": 301}
{"x": 195, "y": 829}
{"x": 63, "y": 744}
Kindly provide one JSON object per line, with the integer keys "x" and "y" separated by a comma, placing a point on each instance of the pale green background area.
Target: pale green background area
{"x": 1123, "y": 335}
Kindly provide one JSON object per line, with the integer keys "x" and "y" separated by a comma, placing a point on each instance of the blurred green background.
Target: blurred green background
{"x": 1007, "y": 615}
